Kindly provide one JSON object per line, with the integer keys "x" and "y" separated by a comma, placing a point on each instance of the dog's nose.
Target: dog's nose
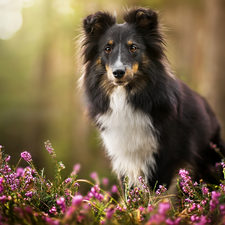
{"x": 119, "y": 73}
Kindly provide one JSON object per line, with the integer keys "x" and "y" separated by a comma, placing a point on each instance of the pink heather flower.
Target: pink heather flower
{"x": 7, "y": 158}
{"x": 222, "y": 209}
{"x": 48, "y": 147}
{"x": 202, "y": 220}
{"x": 62, "y": 165}
{"x": 77, "y": 200}
{"x": 222, "y": 187}
{"x": 68, "y": 180}
{"x": 29, "y": 194}
{"x": 213, "y": 146}
{"x": 194, "y": 218}
{"x": 94, "y": 176}
{"x": 203, "y": 202}
{"x": 95, "y": 193}
{"x": 188, "y": 200}
{"x": 157, "y": 219}
{"x": 119, "y": 208}
{"x": 114, "y": 189}
{"x": 61, "y": 202}
{"x": 150, "y": 208}
{"x": 214, "y": 200}
{"x": 26, "y": 156}
{"x": 69, "y": 212}
{"x": 105, "y": 181}
{"x": 109, "y": 213}
{"x": 50, "y": 221}
{"x": 19, "y": 172}
{"x": 199, "y": 207}
{"x": 6, "y": 169}
{"x": 193, "y": 207}
{"x": 215, "y": 195}
{"x": 3, "y": 199}
{"x": 163, "y": 207}
{"x": 1, "y": 185}
{"x": 173, "y": 222}
{"x": 183, "y": 173}
{"x": 161, "y": 190}
{"x": 76, "y": 185}
{"x": 205, "y": 190}
{"x": 1, "y": 147}
{"x": 76, "y": 168}
{"x": 53, "y": 210}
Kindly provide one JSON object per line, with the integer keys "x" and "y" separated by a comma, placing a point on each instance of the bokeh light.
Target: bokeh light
{"x": 11, "y": 19}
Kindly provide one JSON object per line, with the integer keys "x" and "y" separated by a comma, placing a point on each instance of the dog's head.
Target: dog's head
{"x": 122, "y": 51}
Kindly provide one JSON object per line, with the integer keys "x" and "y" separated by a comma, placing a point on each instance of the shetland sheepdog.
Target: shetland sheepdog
{"x": 151, "y": 123}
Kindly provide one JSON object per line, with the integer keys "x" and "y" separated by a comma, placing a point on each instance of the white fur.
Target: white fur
{"x": 128, "y": 138}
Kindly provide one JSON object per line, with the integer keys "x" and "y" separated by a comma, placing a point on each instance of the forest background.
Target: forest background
{"x": 39, "y": 98}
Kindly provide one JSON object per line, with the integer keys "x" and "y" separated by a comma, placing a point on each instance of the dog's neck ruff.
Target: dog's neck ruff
{"x": 129, "y": 138}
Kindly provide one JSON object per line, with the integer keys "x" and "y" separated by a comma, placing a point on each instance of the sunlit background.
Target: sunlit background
{"x": 39, "y": 98}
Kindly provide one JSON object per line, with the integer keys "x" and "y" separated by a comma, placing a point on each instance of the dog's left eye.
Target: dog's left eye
{"x": 133, "y": 48}
{"x": 108, "y": 49}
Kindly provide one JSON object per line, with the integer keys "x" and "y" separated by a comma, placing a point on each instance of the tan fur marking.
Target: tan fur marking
{"x": 99, "y": 61}
{"x": 129, "y": 42}
{"x": 145, "y": 59}
{"x": 106, "y": 85}
{"x": 135, "y": 67}
{"x": 140, "y": 14}
{"x": 110, "y": 42}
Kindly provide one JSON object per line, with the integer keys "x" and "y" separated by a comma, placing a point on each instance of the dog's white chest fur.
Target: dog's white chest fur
{"x": 128, "y": 138}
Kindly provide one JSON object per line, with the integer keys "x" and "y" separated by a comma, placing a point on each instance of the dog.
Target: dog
{"x": 151, "y": 123}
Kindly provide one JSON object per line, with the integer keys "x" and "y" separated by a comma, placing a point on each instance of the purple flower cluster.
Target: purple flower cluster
{"x": 161, "y": 216}
{"x": 26, "y": 156}
{"x": 49, "y": 147}
{"x": 29, "y": 195}
{"x": 199, "y": 220}
{"x": 134, "y": 197}
{"x": 186, "y": 182}
{"x": 29, "y": 177}
{"x": 109, "y": 213}
{"x": 1, "y": 185}
{"x": 77, "y": 200}
{"x": 95, "y": 193}
{"x": 205, "y": 190}
{"x": 198, "y": 206}
{"x": 5, "y": 170}
{"x": 222, "y": 209}
{"x": 144, "y": 185}
{"x": 76, "y": 169}
{"x": 161, "y": 190}
{"x": 61, "y": 202}
{"x": 68, "y": 180}
{"x": 214, "y": 200}
{"x": 12, "y": 180}
{"x": 53, "y": 210}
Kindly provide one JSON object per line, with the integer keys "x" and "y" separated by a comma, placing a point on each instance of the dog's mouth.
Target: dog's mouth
{"x": 120, "y": 83}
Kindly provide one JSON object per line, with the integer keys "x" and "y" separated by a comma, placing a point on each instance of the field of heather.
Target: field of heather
{"x": 28, "y": 197}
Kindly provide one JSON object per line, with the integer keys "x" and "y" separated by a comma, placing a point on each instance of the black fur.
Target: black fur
{"x": 184, "y": 121}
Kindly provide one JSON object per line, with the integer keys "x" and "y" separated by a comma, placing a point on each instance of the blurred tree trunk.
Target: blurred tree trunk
{"x": 214, "y": 76}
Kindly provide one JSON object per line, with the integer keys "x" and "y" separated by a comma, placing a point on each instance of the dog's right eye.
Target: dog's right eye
{"x": 108, "y": 49}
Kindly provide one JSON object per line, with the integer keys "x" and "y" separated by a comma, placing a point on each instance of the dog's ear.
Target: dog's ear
{"x": 143, "y": 18}
{"x": 98, "y": 22}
